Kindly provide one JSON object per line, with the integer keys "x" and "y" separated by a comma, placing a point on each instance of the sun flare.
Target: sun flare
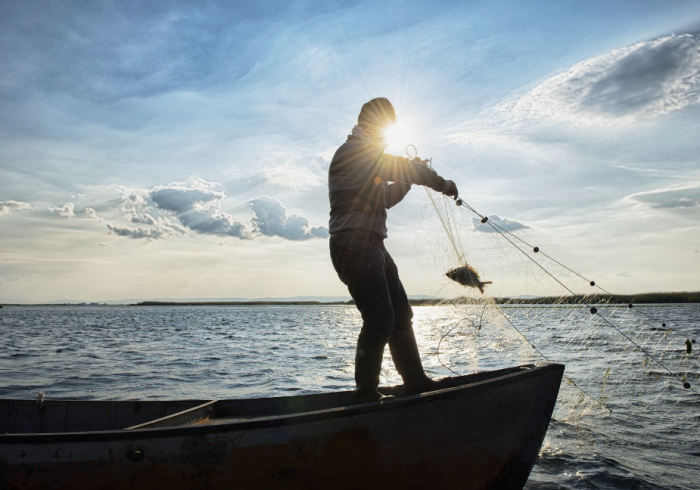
{"x": 398, "y": 138}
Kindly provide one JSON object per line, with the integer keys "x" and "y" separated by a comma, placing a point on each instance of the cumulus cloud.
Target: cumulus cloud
{"x": 271, "y": 219}
{"x": 92, "y": 214}
{"x": 506, "y": 224}
{"x": 640, "y": 81}
{"x": 684, "y": 196}
{"x": 7, "y": 207}
{"x": 177, "y": 208}
{"x": 198, "y": 207}
{"x": 67, "y": 210}
{"x": 137, "y": 209}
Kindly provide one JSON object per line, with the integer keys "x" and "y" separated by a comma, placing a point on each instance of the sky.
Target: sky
{"x": 180, "y": 149}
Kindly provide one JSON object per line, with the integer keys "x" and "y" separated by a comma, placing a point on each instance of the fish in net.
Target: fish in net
{"x": 539, "y": 310}
{"x": 468, "y": 277}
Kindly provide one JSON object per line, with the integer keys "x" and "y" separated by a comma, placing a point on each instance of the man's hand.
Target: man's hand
{"x": 450, "y": 189}
{"x": 420, "y": 160}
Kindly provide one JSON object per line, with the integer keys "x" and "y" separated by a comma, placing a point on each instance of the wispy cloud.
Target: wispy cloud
{"x": 67, "y": 210}
{"x": 155, "y": 232}
{"x": 641, "y": 81}
{"x": 673, "y": 197}
{"x": 8, "y": 207}
{"x": 293, "y": 177}
{"x": 477, "y": 138}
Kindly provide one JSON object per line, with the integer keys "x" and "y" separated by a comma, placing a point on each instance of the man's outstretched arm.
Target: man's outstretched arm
{"x": 395, "y": 193}
{"x": 399, "y": 169}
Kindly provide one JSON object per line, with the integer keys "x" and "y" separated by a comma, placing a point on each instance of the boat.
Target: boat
{"x": 483, "y": 432}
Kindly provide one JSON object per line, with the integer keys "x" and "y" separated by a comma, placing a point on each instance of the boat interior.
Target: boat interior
{"x": 69, "y": 416}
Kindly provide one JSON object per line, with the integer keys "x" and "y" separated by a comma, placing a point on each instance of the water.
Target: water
{"x": 649, "y": 442}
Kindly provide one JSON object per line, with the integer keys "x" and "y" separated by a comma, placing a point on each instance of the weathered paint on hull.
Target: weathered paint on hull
{"x": 481, "y": 436}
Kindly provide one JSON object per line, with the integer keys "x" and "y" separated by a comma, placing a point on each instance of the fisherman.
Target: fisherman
{"x": 363, "y": 182}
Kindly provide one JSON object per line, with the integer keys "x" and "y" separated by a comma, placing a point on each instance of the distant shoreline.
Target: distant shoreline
{"x": 597, "y": 299}
{"x": 615, "y": 299}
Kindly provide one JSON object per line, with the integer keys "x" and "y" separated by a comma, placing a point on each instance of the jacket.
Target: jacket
{"x": 359, "y": 187}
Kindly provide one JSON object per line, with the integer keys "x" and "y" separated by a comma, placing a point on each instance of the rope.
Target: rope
{"x": 564, "y": 266}
{"x": 593, "y": 310}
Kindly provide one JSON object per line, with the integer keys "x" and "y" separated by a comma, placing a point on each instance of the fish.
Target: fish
{"x": 467, "y": 276}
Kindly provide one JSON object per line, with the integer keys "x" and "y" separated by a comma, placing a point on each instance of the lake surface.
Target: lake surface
{"x": 650, "y": 441}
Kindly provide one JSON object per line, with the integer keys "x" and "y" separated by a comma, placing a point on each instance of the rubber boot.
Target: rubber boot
{"x": 368, "y": 365}
{"x": 404, "y": 352}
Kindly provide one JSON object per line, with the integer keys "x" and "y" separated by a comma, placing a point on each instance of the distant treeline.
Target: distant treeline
{"x": 618, "y": 299}
{"x": 635, "y": 299}
{"x": 236, "y": 303}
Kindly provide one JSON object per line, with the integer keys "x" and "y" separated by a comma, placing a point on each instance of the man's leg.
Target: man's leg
{"x": 402, "y": 344}
{"x": 360, "y": 265}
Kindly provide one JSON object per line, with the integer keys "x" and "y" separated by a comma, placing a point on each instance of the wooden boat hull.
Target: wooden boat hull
{"x": 484, "y": 434}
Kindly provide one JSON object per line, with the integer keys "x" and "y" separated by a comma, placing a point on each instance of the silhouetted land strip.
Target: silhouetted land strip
{"x": 614, "y": 299}
{"x": 237, "y": 303}
{"x": 618, "y": 299}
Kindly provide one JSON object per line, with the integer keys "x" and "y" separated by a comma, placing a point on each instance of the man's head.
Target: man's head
{"x": 376, "y": 116}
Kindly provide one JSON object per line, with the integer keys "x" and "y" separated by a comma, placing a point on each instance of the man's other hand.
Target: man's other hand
{"x": 450, "y": 189}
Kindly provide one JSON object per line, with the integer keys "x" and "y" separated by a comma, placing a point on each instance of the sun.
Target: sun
{"x": 398, "y": 138}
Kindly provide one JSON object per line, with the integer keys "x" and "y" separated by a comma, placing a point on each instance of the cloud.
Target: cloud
{"x": 8, "y": 207}
{"x": 271, "y": 219}
{"x": 641, "y": 81}
{"x": 137, "y": 209}
{"x": 684, "y": 196}
{"x": 105, "y": 245}
{"x": 92, "y": 214}
{"x": 194, "y": 205}
{"x": 506, "y": 224}
{"x": 477, "y": 139}
{"x": 292, "y": 177}
{"x": 67, "y": 210}
{"x": 152, "y": 232}
{"x": 198, "y": 207}
{"x": 623, "y": 274}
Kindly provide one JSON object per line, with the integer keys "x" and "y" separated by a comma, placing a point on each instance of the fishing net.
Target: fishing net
{"x": 628, "y": 365}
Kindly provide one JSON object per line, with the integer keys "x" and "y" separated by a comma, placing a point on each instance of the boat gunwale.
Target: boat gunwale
{"x": 284, "y": 420}
{"x": 198, "y": 410}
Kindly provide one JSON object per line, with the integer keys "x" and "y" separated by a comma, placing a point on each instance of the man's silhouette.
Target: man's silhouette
{"x": 364, "y": 182}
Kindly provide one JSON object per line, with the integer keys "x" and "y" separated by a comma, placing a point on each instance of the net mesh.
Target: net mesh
{"x": 621, "y": 361}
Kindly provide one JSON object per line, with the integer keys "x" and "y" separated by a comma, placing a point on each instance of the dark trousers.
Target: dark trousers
{"x": 370, "y": 274}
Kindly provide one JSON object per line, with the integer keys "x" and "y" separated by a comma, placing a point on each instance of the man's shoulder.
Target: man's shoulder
{"x": 350, "y": 142}
{"x": 356, "y": 149}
